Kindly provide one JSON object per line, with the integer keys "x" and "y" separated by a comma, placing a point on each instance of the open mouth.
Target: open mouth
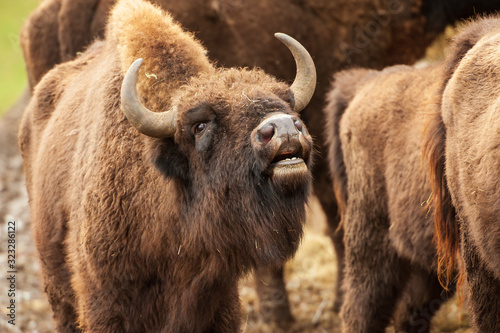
{"x": 285, "y": 159}
{"x": 289, "y": 171}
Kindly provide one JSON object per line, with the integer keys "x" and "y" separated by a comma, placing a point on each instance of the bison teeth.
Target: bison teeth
{"x": 289, "y": 161}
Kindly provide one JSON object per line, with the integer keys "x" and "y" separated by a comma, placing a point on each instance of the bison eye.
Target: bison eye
{"x": 199, "y": 127}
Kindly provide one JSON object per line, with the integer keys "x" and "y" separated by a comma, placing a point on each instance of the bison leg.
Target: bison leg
{"x": 337, "y": 235}
{"x": 227, "y": 317}
{"x": 373, "y": 280}
{"x": 482, "y": 289}
{"x": 273, "y": 298}
{"x": 423, "y": 297}
{"x": 324, "y": 191}
{"x": 374, "y": 274}
{"x": 105, "y": 304}
{"x": 56, "y": 277}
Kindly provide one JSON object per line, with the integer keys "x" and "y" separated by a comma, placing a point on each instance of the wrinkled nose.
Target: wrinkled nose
{"x": 282, "y": 126}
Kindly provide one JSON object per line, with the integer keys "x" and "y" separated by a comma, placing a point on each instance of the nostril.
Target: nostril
{"x": 298, "y": 124}
{"x": 266, "y": 133}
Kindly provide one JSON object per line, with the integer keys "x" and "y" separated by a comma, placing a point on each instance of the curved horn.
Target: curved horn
{"x": 305, "y": 80}
{"x": 155, "y": 124}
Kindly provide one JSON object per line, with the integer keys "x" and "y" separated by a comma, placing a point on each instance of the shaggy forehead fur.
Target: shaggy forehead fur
{"x": 235, "y": 95}
{"x": 239, "y": 88}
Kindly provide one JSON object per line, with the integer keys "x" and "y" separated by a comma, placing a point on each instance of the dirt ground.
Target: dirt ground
{"x": 310, "y": 277}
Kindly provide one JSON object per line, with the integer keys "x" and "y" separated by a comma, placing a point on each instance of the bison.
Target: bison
{"x": 144, "y": 220}
{"x": 239, "y": 33}
{"x": 464, "y": 160}
{"x": 375, "y": 121}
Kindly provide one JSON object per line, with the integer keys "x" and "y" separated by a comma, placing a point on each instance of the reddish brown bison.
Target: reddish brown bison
{"x": 239, "y": 33}
{"x": 374, "y": 128}
{"x": 150, "y": 232}
{"x": 464, "y": 157}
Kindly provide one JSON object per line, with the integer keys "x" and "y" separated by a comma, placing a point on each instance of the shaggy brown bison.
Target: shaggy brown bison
{"x": 464, "y": 156}
{"x": 150, "y": 232}
{"x": 239, "y": 33}
{"x": 375, "y": 122}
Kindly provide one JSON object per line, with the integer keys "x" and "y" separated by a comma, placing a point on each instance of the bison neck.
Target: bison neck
{"x": 242, "y": 227}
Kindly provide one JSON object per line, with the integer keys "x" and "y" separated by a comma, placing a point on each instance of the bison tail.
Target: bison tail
{"x": 344, "y": 88}
{"x": 446, "y": 234}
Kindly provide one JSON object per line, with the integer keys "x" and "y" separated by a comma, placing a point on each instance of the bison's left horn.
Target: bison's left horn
{"x": 305, "y": 81}
{"x": 155, "y": 124}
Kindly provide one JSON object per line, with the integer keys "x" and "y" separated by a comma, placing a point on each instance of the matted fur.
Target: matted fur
{"x": 137, "y": 234}
{"x": 375, "y": 126}
{"x": 469, "y": 116}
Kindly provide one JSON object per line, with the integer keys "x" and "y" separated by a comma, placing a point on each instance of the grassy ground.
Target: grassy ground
{"x": 12, "y": 72}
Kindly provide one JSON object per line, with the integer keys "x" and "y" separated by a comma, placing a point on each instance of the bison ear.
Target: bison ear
{"x": 138, "y": 29}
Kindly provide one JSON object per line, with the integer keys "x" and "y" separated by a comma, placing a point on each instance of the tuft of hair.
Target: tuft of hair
{"x": 344, "y": 87}
{"x": 447, "y": 236}
{"x": 139, "y": 29}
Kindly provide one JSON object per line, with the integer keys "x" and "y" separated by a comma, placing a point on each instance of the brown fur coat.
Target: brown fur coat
{"x": 140, "y": 234}
{"x": 375, "y": 130}
{"x": 463, "y": 148}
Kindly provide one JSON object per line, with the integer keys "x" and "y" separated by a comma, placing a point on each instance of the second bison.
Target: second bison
{"x": 375, "y": 129}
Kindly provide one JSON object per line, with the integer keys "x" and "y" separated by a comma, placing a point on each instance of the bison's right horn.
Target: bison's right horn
{"x": 155, "y": 124}
{"x": 305, "y": 81}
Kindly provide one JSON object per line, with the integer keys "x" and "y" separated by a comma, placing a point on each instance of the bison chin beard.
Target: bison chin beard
{"x": 278, "y": 217}
{"x": 260, "y": 227}
{"x": 291, "y": 178}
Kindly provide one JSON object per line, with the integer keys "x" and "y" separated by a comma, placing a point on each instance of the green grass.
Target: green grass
{"x": 12, "y": 71}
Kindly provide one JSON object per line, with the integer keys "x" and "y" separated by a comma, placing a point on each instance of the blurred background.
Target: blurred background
{"x": 12, "y": 72}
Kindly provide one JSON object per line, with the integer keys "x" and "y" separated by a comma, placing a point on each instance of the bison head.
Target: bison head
{"x": 219, "y": 108}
